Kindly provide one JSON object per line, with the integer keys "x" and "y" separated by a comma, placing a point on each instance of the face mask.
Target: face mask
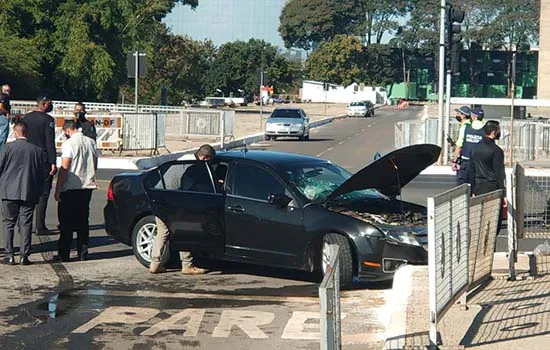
{"x": 458, "y": 119}
{"x": 50, "y": 108}
{"x": 67, "y": 136}
{"x": 497, "y": 136}
{"x": 80, "y": 115}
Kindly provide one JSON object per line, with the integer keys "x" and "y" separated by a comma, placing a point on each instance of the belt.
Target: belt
{"x": 465, "y": 158}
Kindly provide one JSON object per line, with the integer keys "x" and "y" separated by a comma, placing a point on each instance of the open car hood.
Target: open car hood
{"x": 391, "y": 172}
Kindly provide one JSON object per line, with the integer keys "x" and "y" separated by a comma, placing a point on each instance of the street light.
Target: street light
{"x": 221, "y": 92}
{"x": 241, "y": 91}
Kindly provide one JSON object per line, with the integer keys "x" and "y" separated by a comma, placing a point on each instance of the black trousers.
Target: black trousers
{"x": 14, "y": 211}
{"x": 40, "y": 223}
{"x": 463, "y": 174}
{"x": 73, "y": 212}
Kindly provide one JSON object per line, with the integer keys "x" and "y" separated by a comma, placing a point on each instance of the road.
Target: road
{"x": 113, "y": 302}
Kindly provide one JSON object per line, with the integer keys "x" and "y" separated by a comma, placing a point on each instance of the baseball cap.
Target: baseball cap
{"x": 478, "y": 112}
{"x": 464, "y": 110}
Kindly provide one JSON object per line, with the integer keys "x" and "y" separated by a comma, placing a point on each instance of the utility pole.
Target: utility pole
{"x": 513, "y": 81}
{"x": 136, "y": 76}
{"x": 440, "y": 138}
{"x": 261, "y": 98}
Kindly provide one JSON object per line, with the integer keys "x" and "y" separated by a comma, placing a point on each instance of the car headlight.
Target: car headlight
{"x": 402, "y": 237}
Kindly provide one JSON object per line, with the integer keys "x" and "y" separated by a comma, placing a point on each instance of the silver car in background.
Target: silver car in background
{"x": 361, "y": 109}
{"x": 287, "y": 122}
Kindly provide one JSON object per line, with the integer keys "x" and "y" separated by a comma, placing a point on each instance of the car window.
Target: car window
{"x": 192, "y": 177}
{"x": 286, "y": 113}
{"x": 354, "y": 104}
{"x": 255, "y": 183}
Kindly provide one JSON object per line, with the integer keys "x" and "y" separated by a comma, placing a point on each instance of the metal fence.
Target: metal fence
{"x": 143, "y": 131}
{"x": 484, "y": 223}
{"x": 531, "y": 138}
{"x": 448, "y": 215}
{"x": 196, "y": 122}
{"x": 329, "y": 294}
{"x": 461, "y": 242}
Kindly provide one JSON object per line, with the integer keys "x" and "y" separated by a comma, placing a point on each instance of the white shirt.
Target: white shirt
{"x": 83, "y": 153}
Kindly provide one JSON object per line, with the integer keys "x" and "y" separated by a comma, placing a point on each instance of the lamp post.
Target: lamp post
{"x": 221, "y": 92}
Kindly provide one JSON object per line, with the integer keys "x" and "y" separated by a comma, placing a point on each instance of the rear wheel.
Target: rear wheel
{"x": 267, "y": 138}
{"x": 143, "y": 237}
{"x": 345, "y": 256}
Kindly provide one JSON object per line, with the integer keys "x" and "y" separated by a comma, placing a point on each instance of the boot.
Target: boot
{"x": 155, "y": 267}
{"x": 192, "y": 270}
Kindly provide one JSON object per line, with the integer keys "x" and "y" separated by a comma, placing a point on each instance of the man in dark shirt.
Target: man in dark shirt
{"x": 487, "y": 162}
{"x": 84, "y": 125}
{"x": 41, "y": 132}
{"x": 5, "y": 110}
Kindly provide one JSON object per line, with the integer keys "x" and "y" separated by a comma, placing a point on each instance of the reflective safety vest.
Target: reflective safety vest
{"x": 471, "y": 138}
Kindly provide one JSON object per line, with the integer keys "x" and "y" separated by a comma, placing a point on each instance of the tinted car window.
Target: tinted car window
{"x": 286, "y": 113}
{"x": 355, "y": 104}
{"x": 193, "y": 177}
{"x": 256, "y": 183}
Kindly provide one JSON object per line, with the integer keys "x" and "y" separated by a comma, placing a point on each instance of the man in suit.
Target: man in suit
{"x": 22, "y": 173}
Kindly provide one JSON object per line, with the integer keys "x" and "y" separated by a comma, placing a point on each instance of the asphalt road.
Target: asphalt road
{"x": 112, "y": 302}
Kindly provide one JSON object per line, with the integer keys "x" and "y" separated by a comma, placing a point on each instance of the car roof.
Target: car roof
{"x": 270, "y": 158}
{"x": 287, "y": 108}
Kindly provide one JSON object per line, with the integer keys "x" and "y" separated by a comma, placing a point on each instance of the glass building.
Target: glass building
{"x": 228, "y": 20}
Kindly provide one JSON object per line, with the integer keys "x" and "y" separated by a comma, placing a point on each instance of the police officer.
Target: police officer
{"x": 84, "y": 125}
{"x": 468, "y": 137}
{"x": 477, "y": 118}
{"x": 41, "y": 132}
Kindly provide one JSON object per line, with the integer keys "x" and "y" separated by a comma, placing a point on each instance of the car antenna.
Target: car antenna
{"x": 398, "y": 183}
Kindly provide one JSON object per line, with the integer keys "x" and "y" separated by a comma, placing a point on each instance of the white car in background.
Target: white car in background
{"x": 287, "y": 122}
{"x": 361, "y": 109}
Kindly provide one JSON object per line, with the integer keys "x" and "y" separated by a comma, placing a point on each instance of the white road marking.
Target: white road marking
{"x": 119, "y": 314}
{"x": 297, "y": 328}
{"x": 191, "y": 327}
{"x": 341, "y": 142}
{"x": 247, "y": 321}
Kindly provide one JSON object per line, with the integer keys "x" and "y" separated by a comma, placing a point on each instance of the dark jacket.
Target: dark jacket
{"x": 487, "y": 167}
{"x": 41, "y": 132}
{"x": 87, "y": 128}
{"x": 22, "y": 171}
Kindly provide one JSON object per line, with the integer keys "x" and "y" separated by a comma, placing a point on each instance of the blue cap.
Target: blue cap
{"x": 464, "y": 110}
{"x": 478, "y": 113}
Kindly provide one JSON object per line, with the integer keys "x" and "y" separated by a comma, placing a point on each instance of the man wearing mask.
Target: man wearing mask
{"x": 487, "y": 162}
{"x": 84, "y": 125}
{"x": 477, "y": 118}
{"x": 467, "y": 137}
{"x": 41, "y": 132}
{"x": 5, "y": 110}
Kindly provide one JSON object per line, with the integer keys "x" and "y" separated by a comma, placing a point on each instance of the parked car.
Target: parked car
{"x": 278, "y": 99}
{"x": 361, "y": 109}
{"x": 287, "y": 122}
{"x": 278, "y": 209}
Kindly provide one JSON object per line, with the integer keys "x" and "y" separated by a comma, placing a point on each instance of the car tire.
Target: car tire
{"x": 267, "y": 138}
{"x": 372, "y": 114}
{"x": 143, "y": 235}
{"x": 345, "y": 257}
{"x": 306, "y": 138}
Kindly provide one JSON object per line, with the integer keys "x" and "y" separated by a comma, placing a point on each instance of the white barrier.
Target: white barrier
{"x": 448, "y": 225}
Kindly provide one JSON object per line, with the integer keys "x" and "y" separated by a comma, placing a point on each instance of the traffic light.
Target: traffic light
{"x": 455, "y": 17}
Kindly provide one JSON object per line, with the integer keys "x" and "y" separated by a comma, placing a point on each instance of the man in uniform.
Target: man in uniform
{"x": 41, "y": 132}
{"x": 477, "y": 118}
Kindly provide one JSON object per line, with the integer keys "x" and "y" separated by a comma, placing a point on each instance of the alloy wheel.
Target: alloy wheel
{"x": 145, "y": 237}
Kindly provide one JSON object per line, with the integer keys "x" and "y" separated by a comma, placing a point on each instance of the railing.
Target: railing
{"x": 329, "y": 294}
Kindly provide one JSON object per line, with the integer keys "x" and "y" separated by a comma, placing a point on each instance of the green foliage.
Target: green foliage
{"x": 338, "y": 61}
{"x": 236, "y": 66}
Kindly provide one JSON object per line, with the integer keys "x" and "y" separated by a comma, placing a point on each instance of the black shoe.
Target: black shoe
{"x": 57, "y": 258}
{"x": 8, "y": 261}
{"x": 83, "y": 257}
{"x": 25, "y": 261}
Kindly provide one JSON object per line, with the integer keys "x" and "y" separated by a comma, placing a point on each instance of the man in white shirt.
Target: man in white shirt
{"x": 75, "y": 183}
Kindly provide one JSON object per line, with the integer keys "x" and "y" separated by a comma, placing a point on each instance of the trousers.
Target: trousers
{"x": 42, "y": 206}
{"x": 14, "y": 211}
{"x": 160, "y": 243}
{"x": 73, "y": 213}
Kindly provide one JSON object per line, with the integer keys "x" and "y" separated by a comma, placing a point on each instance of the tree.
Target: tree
{"x": 236, "y": 66}
{"x": 338, "y": 61}
{"x": 305, "y": 24}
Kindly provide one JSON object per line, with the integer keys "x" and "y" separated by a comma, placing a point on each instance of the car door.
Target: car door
{"x": 256, "y": 229}
{"x": 192, "y": 207}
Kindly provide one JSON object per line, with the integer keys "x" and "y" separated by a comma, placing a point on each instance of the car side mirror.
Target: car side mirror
{"x": 280, "y": 200}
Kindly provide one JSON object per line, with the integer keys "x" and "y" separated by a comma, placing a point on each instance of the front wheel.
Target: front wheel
{"x": 345, "y": 257}
{"x": 143, "y": 236}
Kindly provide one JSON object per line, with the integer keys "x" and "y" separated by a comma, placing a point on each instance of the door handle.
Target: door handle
{"x": 236, "y": 209}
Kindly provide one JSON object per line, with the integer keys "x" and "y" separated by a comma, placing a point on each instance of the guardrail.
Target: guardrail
{"x": 461, "y": 241}
{"x": 531, "y": 137}
{"x": 329, "y": 294}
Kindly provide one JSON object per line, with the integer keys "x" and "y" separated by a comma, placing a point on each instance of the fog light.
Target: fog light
{"x": 390, "y": 265}
{"x": 371, "y": 264}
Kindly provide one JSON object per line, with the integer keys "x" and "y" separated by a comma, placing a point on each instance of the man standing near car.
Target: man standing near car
{"x": 73, "y": 192}
{"x": 84, "y": 125}
{"x": 22, "y": 167}
{"x": 487, "y": 162}
{"x": 188, "y": 180}
{"x": 41, "y": 132}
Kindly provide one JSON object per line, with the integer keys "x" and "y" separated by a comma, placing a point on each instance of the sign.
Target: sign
{"x": 131, "y": 64}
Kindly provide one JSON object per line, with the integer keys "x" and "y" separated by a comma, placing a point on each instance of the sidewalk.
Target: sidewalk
{"x": 502, "y": 315}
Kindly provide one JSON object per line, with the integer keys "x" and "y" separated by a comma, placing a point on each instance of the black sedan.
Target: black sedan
{"x": 278, "y": 209}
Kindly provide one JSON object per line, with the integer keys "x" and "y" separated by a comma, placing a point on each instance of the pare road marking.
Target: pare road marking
{"x": 300, "y": 326}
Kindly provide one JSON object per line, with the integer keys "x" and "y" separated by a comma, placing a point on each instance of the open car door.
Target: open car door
{"x": 185, "y": 195}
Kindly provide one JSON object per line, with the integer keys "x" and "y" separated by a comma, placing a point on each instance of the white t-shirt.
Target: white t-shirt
{"x": 83, "y": 153}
